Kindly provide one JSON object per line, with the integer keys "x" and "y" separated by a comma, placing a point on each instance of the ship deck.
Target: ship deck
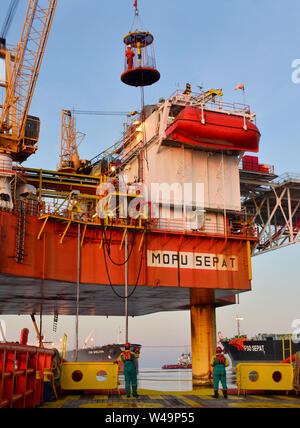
{"x": 149, "y": 399}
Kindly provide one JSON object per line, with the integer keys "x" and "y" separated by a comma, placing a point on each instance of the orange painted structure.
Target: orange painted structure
{"x": 73, "y": 243}
{"x": 22, "y": 370}
{"x": 43, "y": 268}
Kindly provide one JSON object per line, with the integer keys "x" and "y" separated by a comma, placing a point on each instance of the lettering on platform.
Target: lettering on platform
{"x": 186, "y": 260}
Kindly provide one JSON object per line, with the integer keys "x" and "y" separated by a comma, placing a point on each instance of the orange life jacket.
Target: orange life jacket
{"x": 126, "y": 355}
{"x": 129, "y": 54}
{"x": 220, "y": 359}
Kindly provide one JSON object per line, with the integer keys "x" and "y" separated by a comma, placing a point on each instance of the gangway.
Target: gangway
{"x": 274, "y": 203}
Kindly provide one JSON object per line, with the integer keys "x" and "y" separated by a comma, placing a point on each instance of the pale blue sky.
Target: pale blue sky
{"x": 217, "y": 43}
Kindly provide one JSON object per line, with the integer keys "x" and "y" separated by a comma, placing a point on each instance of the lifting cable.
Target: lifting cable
{"x": 108, "y": 248}
{"x": 101, "y": 112}
{"x": 9, "y": 17}
{"x": 138, "y": 276}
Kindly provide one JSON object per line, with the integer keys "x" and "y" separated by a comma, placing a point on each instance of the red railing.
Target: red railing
{"x": 6, "y": 167}
{"x": 22, "y": 371}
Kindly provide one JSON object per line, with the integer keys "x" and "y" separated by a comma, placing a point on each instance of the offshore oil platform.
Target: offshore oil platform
{"x": 167, "y": 219}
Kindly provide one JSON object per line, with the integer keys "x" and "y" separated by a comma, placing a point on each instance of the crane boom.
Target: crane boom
{"x": 21, "y": 80}
{"x": 70, "y": 141}
{"x": 88, "y": 337}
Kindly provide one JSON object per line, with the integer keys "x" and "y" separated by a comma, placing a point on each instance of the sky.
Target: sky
{"x": 216, "y": 44}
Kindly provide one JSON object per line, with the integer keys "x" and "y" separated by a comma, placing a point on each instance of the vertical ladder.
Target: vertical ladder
{"x": 284, "y": 349}
{"x": 20, "y": 235}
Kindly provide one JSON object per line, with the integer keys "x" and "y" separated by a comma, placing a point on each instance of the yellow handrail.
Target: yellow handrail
{"x": 64, "y": 346}
{"x": 285, "y": 349}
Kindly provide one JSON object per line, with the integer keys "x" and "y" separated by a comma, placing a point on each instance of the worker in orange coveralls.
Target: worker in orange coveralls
{"x": 127, "y": 357}
{"x": 129, "y": 55}
{"x": 219, "y": 362}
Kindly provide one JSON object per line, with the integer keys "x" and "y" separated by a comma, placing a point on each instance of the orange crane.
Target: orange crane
{"x": 19, "y": 132}
{"x": 70, "y": 141}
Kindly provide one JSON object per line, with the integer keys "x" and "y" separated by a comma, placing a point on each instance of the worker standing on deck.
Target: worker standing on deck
{"x": 129, "y": 55}
{"x": 128, "y": 357}
{"x": 219, "y": 362}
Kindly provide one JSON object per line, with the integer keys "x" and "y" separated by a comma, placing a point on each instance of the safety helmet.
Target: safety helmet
{"x": 127, "y": 345}
{"x": 219, "y": 349}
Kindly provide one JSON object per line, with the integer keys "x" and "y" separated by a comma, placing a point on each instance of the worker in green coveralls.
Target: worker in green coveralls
{"x": 128, "y": 357}
{"x": 219, "y": 362}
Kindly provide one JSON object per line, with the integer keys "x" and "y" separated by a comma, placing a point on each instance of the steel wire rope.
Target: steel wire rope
{"x": 9, "y": 17}
{"x": 101, "y": 113}
{"x": 137, "y": 20}
{"x": 137, "y": 280}
{"x": 144, "y": 154}
{"x": 108, "y": 249}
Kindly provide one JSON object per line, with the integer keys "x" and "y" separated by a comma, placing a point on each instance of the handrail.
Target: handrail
{"x": 206, "y": 228}
{"x": 284, "y": 349}
{"x": 218, "y": 105}
{"x": 287, "y": 176}
{"x": 22, "y": 370}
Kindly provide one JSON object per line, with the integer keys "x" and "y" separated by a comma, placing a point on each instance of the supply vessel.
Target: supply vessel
{"x": 110, "y": 352}
{"x": 184, "y": 362}
{"x": 261, "y": 348}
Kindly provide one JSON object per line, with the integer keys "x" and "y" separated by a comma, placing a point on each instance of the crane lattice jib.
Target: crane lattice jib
{"x": 27, "y": 61}
{"x": 70, "y": 139}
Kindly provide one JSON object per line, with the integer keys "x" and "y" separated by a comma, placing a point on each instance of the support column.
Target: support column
{"x": 203, "y": 331}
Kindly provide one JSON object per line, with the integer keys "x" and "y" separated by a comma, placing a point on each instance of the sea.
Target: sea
{"x": 172, "y": 380}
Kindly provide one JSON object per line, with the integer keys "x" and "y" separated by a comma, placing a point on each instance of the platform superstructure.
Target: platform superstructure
{"x": 164, "y": 220}
{"x": 188, "y": 241}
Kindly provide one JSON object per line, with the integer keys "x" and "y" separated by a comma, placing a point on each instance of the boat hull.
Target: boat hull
{"x": 214, "y": 130}
{"x": 176, "y": 366}
{"x": 269, "y": 350}
{"x": 104, "y": 353}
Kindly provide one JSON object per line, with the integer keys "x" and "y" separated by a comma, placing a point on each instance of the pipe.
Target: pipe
{"x": 37, "y": 330}
{"x": 29, "y": 349}
{"x": 77, "y": 291}
{"x": 126, "y": 287}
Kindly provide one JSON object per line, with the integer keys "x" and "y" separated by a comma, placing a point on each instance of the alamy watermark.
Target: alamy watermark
{"x": 157, "y": 200}
{"x": 296, "y": 331}
{"x": 296, "y": 73}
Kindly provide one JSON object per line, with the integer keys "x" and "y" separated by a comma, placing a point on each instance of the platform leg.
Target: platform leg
{"x": 203, "y": 332}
